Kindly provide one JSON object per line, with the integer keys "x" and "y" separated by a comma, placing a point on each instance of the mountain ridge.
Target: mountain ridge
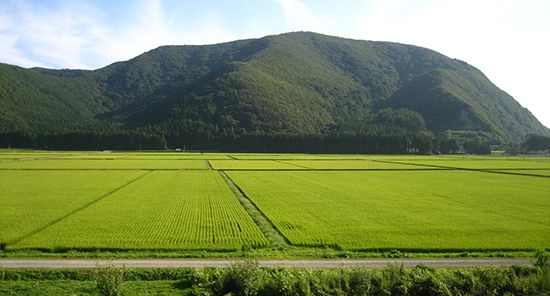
{"x": 294, "y": 83}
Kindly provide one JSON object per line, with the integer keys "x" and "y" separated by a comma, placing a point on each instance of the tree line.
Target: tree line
{"x": 380, "y": 143}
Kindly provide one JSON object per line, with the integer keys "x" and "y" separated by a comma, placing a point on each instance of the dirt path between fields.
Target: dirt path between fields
{"x": 152, "y": 263}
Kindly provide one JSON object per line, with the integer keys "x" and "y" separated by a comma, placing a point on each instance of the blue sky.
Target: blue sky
{"x": 506, "y": 39}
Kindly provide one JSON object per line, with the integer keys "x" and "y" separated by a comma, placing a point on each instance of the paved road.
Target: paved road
{"x": 47, "y": 263}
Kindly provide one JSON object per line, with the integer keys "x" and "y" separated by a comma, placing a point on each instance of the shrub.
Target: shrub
{"x": 542, "y": 259}
{"x": 287, "y": 282}
{"x": 543, "y": 285}
{"x": 362, "y": 282}
{"x": 397, "y": 280}
{"x": 427, "y": 281}
{"x": 206, "y": 281}
{"x": 242, "y": 278}
{"x": 109, "y": 280}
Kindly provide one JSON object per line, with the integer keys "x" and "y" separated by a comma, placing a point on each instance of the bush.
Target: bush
{"x": 542, "y": 259}
{"x": 242, "y": 278}
{"x": 463, "y": 282}
{"x": 247, "y": 278}
{"x": 109, "y": 280}
{"x": 427, "y": 281}
{"x": 206, "y": 281}
{"x": 287, "y": 282}
{"x": 543, "y": 285}
{"x": 363, "y": 282}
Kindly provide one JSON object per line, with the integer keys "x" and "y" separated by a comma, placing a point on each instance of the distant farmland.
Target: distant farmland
{"x": 79, "y": 201}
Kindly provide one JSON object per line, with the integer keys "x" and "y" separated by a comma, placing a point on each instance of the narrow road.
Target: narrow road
{"x": 85, "y": 263}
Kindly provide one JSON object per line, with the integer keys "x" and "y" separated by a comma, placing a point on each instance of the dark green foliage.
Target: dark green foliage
{"x": 109, "y": 280}
{"x": 542, "y": 259}
{"x": 536, "y": 143}
{"x": 297, "y": 84}
{"x": 249, "y": 279}
{"x": 242, "y": 278}
{"x": 477, "y": 147}
{"x": 205, "y": 281}
{"x": 426, "y": 281}
{"x": 404, "y": 118}
{"x": 447, "y": 145}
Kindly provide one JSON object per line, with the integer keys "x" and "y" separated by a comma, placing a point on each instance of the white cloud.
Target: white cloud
{"x": 298, "y": 17}
{"x": 8, "y": 50}
{"x": 152, "y": 27}
{"x": 41, "y": 36}
{"x": 496, "y": 36}
{"x": 11, "y": 55}
{"x": 77, "y": 35}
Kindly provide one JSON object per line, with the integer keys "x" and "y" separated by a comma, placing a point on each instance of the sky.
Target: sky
{"x": 509, "y": 40}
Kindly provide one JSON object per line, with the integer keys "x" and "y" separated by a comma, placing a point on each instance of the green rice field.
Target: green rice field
{"x": 404, "y": 209}
{"x": 354, "y": 165}
{"x": 480, "y": 164}
{"x": 252, "y": 165}
{"x": 161, "y": 210}
{"x": 102, "y": 164}
{"x": 34, "y": 199}
{"x": 131, "y": 201}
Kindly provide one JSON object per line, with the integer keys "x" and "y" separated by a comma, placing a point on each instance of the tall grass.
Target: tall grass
{"x": 248, "y": 278}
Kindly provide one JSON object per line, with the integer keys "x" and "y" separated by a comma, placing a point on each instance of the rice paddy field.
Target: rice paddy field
{"x": 210, "y": 202}
{"x": 161, "y": 210}
{"x": 404, "y": 210}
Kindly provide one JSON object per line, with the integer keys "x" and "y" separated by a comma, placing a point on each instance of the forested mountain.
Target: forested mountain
{"x": 291, "y": 86}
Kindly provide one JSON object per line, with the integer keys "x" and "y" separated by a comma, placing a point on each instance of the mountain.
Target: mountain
{"x": 293, "y": 84}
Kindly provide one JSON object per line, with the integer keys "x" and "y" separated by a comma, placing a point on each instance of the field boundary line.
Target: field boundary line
{"x": 504, "y": 171}
{"x": 131, "y": 159}
{"x": 98, "y": 169}
{"x": 296, "y": 165}
{"x": 266, "y": 226}
{"x": 209, "y": 165}
{"x": 38, "y": 230}
{"x": 415, "y": 164}
{"x": 30, "y": 159}
{"x": 516, "y": 174}
{"x": 301, "y": 159}
{"x": 333, "y": 170}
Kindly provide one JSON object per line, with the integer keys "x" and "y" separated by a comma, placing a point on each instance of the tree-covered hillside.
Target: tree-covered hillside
{"x": 291, "y": 85}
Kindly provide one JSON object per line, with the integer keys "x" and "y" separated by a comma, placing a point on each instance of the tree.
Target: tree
{"x": 536, "y": 143}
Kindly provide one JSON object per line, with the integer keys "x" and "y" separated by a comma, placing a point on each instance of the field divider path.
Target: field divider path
{"x": 330, "y": 170}
{"x": 32, "y": 158}
{"x": 77, "y": 209}
{"x": 504, "y": 171}
{"x": 98, "y": 169}
{"x": 209, "y": 165}
{"x": 418, "y": 164}
{"x": 296, "y": 165}
{"x": 499, "y": 171}
{"x": 306, "y": 263}
{"x": 271, "y": 233}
